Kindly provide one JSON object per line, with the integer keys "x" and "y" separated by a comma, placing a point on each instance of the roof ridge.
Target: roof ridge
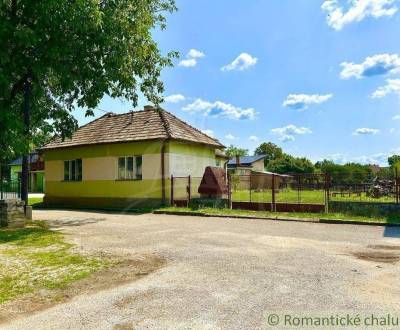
{"x": 165, "y": 122}
{"x": 196, "y": 129}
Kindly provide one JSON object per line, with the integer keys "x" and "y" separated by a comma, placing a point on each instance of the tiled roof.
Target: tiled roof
{"x": 246, "y": 160}
{"x": 148, "y": 124}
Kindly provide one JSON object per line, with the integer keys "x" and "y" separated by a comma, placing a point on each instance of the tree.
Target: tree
{"x": 394, "y": 160}
{"x": 65, "y": 54}
{"x": 271, "y": 150}
{"x": 233, "y": 151}
{"x": 290, "y": 164}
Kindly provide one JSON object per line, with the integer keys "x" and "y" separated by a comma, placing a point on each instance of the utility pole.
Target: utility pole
{"x": 25, "y": 164}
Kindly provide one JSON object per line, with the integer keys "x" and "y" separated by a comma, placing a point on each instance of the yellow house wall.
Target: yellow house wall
{"x": 100, "y": 163}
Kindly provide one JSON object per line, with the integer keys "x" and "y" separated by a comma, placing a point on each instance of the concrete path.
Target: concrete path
{"x": 228, "y": 273}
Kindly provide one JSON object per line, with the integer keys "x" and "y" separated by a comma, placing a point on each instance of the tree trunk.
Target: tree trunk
{"x": 25, "y": 164}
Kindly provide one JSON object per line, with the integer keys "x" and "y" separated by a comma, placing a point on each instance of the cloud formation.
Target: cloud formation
{"x": 338, "y": 17}
{"x": 243, "y": 62}
{"x": 254, "y": 138}
{"x": 230, "y": 137}
{"x": 372, "y": 66}
{"x": 287, "y": 133}
{"x": 397, "y": 117}
{"x": 379, "y": 159}
{"x": 175, "y": 98}
{"x": 366, "y": 131}
{"x": 191, "y": 58}
{"x": 392, "y": 87}
{"x": 302, "y": 101}
{"x": 220, "y": 109}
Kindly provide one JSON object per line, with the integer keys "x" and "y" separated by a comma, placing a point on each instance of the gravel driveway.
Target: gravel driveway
{"x": 227, "y": 273}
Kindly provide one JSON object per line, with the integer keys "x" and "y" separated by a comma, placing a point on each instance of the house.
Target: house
{"x": 243, "y": 165}
{"x": 36, "y": 171}
{"x": 248, "y": 172}
{"x": 125, "y": 160}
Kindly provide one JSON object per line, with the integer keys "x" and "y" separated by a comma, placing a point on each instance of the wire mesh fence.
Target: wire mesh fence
{"x": 283, "y": 191}
{"x": 276, "y": 188}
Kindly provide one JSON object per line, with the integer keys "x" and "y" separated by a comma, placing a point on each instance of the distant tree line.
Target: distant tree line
{"x": 278, "y": 161}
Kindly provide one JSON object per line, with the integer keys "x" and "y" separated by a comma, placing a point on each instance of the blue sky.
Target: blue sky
{"x": 319, "y": 78}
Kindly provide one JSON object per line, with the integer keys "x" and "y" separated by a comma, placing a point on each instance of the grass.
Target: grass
{"x": 36, "y": 258}
{"x": 316, "y": 216}
{"x": 304, "y": 196}
{"x": 35, "y": 200}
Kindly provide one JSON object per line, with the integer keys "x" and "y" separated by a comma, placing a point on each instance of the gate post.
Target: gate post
{"x": 189, "y": 189}
{"x": 229, "y": 192}
{"x": 172, "y": 190}
{"x": 273, "y": 194}
{"x": 327, "y": 192}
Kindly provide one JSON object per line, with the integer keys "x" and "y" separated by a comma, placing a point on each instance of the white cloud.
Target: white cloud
{"x": 242, "y": 62}
{"x": 397, "y": 117}
{"x": 392, "y": 87}
{"x": 372, "y": 66}
{"x": 392, "y": 130}
{"x": 175, "y": 98}
{"x": 253, "y": 138}
{"x": 220, "y": 109}
{"x": 366, "y": 131}
{"x": 287, "y": 133}
{"x": 208, "y": 132}
{"x": 191, "y": 58}
{"x": 302, "y": 101}
{"x": 194, "y": 53}
{"x": 230, "y": 137}
{"x": 338, "y": 17}
{"x": 379, "y": 159}
{"x": 188, "y": 63}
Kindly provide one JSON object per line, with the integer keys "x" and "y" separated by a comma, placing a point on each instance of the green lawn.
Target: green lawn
{"x": 35, "y": 200}
{"x": 304, "y": 196}
{"x": 36, "y": 258}
{"x": 316, "y": 216}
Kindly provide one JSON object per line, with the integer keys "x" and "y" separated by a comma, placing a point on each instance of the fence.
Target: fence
{"x": 283, "y": 193}
{"x": 10, "y": 189}
{"x": 297, "y": 192}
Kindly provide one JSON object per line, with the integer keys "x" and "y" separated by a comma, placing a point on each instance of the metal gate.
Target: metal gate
{"x": 180, "y": 190}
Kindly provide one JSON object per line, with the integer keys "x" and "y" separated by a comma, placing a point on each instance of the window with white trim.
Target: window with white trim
{"x": 130, "y": 168}
{"x": 73, "y": 170}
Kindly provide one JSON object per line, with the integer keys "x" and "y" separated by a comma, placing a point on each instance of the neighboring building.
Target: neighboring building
{"x": 36, "y": 171}
{"x": 125, "y": 160}
{"x": 245, "y": 164}
{"x": 248, "y": 172}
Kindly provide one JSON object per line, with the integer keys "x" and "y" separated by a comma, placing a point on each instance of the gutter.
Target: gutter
{"x": 163, "y": 191}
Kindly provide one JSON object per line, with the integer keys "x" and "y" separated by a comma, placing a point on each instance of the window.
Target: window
{"x": 217, "y": 162}
{"x": 130, "y": 168}
{"x": 73, "y": 170}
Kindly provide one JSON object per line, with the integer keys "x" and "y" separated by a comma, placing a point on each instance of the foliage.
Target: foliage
{"x": 233, "y": 151}
{"x": 290, "y": 164}
{"x": 394, "y": 160}
{"x": 271, "y": 150}
{"x": 351, "y": 173}
{"x": 72, "y": 54}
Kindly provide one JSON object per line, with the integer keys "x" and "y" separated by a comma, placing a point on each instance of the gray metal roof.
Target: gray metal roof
{"x": 246, "y": 160}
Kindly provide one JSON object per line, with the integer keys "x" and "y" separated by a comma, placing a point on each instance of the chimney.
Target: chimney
{"x": 237, "y": 160}
{"x": 148, "y": 108}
